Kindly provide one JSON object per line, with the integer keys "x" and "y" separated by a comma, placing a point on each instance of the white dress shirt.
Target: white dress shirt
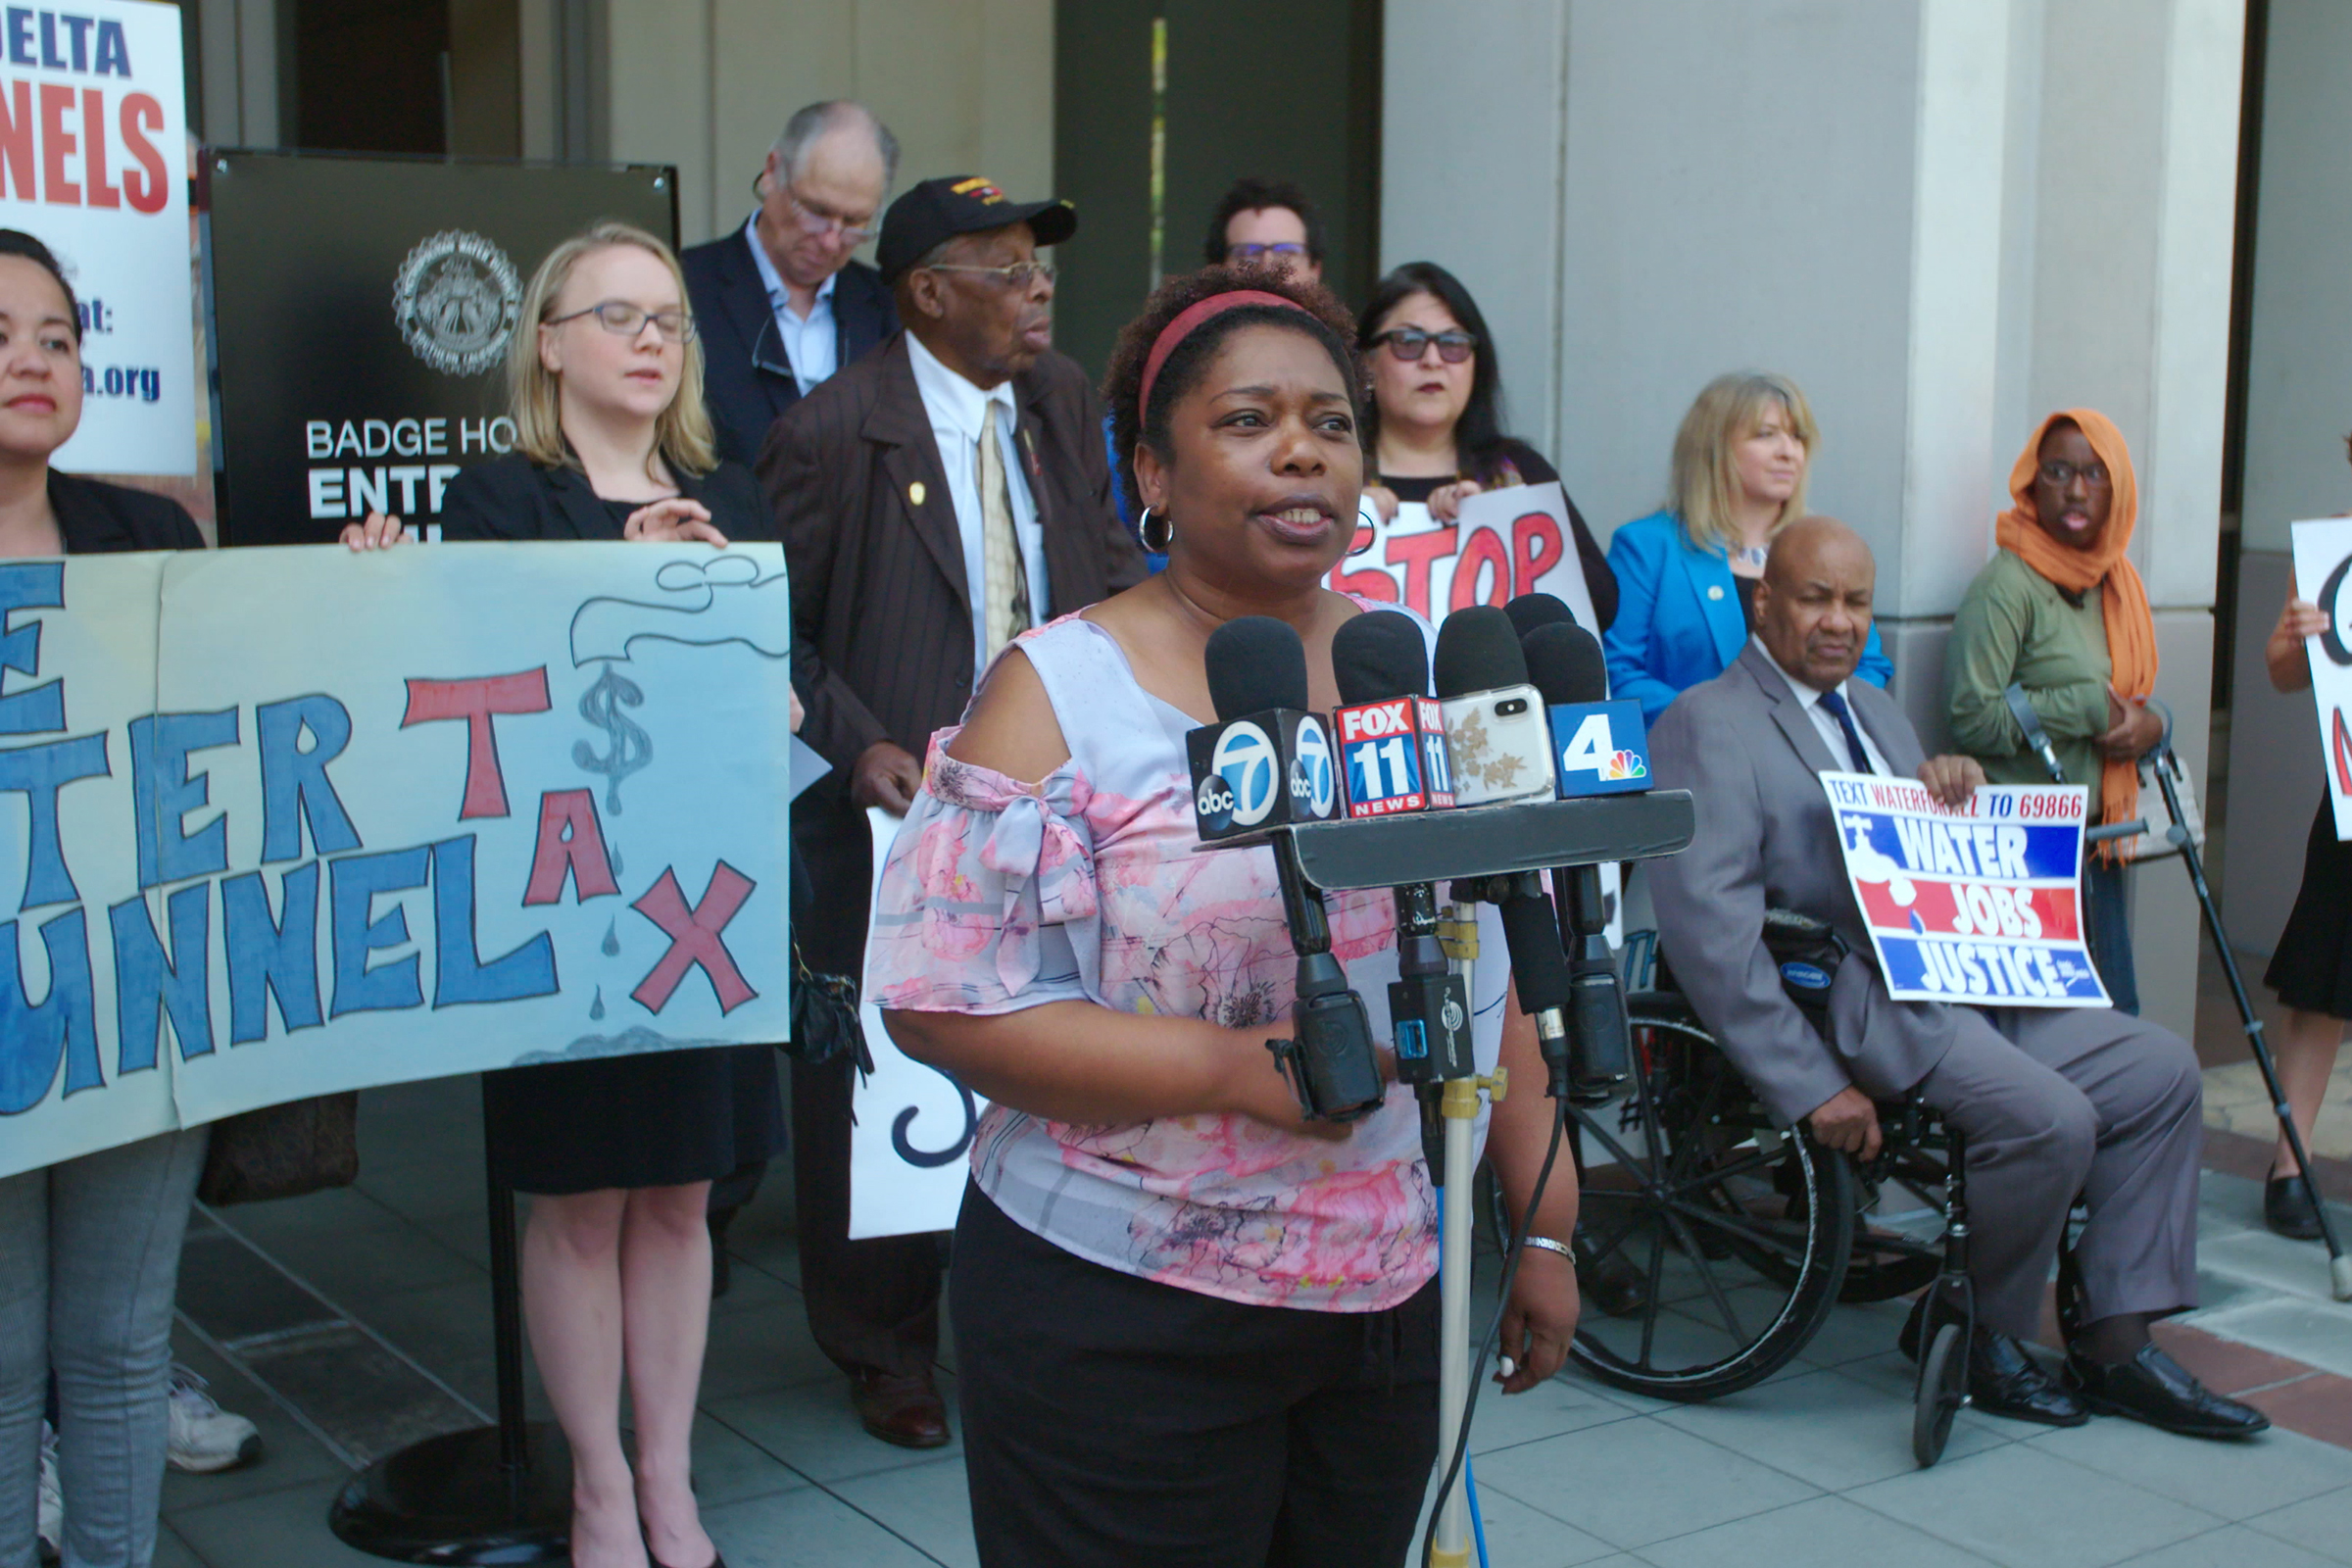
{"x": 811, "y": 343}
{"x": 957, "y": 410}
{"x": 1810, "y": 698}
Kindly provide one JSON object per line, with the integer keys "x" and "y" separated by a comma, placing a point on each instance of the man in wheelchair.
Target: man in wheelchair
{"x": 2052, "y": 1104}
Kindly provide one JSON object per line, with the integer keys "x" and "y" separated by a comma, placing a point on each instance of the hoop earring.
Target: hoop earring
{"x": 1167, "y": 529}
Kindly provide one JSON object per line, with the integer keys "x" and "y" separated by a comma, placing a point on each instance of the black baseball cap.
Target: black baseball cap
{"x": 938, "y": 210}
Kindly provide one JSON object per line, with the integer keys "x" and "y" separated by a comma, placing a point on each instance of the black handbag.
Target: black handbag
{"x": 288, "y": 1150}
{"x": 825, "y": 1017}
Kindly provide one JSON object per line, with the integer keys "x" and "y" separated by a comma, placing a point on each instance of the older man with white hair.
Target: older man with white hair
{"x": 780, "y": 302}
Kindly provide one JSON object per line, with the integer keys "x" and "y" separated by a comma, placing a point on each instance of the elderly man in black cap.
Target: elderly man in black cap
{"x": 936, "y": 499}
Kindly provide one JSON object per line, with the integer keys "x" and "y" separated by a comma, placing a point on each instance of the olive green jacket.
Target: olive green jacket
{"x": 2017, "y": 627}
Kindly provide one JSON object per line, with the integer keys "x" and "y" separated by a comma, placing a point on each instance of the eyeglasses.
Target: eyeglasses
{"x": 2062, "y": 474}
{"x": 1022, "y": 275}
{"x": 623, "y": 319}
{"x": 1253, "y": 252}
{"x": 1409, "y": 343}
{"x": 814, "y": 221}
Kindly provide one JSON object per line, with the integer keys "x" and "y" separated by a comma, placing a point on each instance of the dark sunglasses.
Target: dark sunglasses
{"x": 1409, "y": 343}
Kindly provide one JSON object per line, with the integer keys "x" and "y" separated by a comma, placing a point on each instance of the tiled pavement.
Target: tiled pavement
{"x": 1811, "y": 1468}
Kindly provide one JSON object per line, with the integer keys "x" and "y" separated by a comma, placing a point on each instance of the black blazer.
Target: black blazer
{"x": 881, "y": 613}
{"x": 747, "y": 379}
{"x": 514, "y": 498}
{"x": 95, "y": 517}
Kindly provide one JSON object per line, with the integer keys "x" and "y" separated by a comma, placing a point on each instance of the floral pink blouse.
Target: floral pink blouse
{"x": 1001, "y": 894}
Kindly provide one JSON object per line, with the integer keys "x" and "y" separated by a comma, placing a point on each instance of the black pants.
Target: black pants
{"x": 873, "y": 1305}
{"x": 1112, "y": 1421}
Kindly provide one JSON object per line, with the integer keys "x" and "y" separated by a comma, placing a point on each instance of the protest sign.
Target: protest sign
{"x": 93, "y": 163}
{"x": 281, "y": 823}
{"x": 909, "y": 1144}
{"x": 2323, "y": 559}
{"x": 1503, "y": 543}
{"x": 1979, "y": 904}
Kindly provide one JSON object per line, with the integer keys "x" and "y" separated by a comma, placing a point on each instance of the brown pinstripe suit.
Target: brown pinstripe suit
{"x": 882, "y": 630}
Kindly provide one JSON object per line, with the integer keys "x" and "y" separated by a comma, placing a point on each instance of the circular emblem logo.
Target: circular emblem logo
{"x": 1215, "y": 802}
{"x": 1316, "y": 784}
{"x": 1244, "y": 756}
{"x": 1450, "y": 1015}
{"x": 455, "y": 300}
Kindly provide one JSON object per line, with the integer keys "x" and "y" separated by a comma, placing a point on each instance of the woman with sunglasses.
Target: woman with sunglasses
{"x": 2060, "y": 613}
{"x": 1434, "y": 430}
{"x": 613, "y": 442}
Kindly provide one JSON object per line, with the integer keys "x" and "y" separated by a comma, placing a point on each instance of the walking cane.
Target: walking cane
{"x": 2340, "y": 1267}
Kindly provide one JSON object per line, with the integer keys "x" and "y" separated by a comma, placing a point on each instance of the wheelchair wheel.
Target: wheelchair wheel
{"x": 1740, "y": 1231}
{"x": 1943, "y": 1391}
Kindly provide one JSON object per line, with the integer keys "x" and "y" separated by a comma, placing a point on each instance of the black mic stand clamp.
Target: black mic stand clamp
{"x": 1429, "y": 1013}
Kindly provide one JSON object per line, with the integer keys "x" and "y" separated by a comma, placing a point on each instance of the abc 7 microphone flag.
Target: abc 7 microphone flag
{"x": 1260, "y": 771}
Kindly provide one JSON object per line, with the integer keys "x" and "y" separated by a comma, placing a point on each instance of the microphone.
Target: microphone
{"x": 1567, "y": 667}
{"x": 1502, "y": 751}
{"x": 1383, "y": 668}
{"x": 1495, "y": 730}
{"x": 1267, "y": 761}
{"x": 1530, "y": 610}
{"x": 1392, "y": 737}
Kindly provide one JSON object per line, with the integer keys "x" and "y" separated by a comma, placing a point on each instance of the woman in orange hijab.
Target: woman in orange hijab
{"x": 2060, "y": 610}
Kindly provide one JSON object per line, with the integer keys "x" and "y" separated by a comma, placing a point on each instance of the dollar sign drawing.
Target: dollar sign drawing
{"x": 601, "y": 704}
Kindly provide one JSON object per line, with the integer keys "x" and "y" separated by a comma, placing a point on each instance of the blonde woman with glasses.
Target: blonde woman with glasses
{"x": 1686, "y": 573}
{"x": 613, "y": 442}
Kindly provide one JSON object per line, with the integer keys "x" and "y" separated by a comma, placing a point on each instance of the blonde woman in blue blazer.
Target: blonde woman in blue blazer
{"x": 1687, "y": 574}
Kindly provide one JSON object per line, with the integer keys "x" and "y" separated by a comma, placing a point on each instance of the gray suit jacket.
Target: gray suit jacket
{"x": 1744, "y": 747}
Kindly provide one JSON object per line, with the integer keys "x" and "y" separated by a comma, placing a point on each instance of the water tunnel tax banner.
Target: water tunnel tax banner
{"x": 276, "y": 822}
{"x": 1980, "y": 905}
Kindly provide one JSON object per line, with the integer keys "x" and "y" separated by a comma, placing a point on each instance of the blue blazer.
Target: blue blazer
{"x": 747, "y": 381}
{"x": 1678, "y": 616}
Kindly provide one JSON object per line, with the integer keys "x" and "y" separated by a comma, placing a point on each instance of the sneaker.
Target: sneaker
{"x": 51, "y": 1524}
{"x": 204, "y": 1437}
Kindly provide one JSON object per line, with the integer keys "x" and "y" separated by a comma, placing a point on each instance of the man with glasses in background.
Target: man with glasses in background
{"x": 781, "y": 304}
{"x": 1268, "y": 220}
{"x": 936, "y": 499}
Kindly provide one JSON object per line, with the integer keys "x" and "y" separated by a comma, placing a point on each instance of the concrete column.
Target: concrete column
{"x": 1934, "y": 214}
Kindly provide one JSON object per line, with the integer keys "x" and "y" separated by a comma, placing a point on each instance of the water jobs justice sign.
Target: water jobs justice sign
{"x": 93, "y": 153}
{"x": 363, "y": 308}
{"x": 283, "y": 822}
{"x": 1981, "y": 903}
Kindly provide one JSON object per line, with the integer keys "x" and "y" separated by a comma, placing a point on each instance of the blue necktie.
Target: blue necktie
{"x": 1835, "y": 702}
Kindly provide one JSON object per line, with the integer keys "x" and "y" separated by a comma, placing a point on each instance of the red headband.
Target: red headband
{"x": 1191, "y": 317}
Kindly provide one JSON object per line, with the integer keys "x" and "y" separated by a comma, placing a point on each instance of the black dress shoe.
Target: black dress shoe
{"x": 2003, "y": 1378}
{"x": 1610, "y": 1283}
{"x": 2287, "y": 1208}
{"x": 2154, "y": 1388}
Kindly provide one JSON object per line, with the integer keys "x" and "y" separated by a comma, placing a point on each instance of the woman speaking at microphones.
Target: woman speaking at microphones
{"x": 1192, "y": 1328}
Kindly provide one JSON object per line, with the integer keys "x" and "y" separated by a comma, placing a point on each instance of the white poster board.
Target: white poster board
{"x": 910, "y": 1147}
{"x": 93, "y": 163}
{"x": 2323, "y": 562}
{"x": 283, "y": 822}
{"x": 1979, "y": 904}
{"x": 1505, "y": 543}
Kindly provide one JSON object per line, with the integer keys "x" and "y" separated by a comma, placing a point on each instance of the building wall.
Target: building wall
{"x": 968, "y": 87}
{"x": 1924, "y": 211}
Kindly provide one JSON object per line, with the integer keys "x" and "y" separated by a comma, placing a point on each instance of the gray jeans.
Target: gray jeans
{"x": 92, "y": 1254}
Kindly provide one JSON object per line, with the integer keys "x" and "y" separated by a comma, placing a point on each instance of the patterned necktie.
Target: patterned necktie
{"x": 1835, "y": 702}
{"x": 1004, "y": 589}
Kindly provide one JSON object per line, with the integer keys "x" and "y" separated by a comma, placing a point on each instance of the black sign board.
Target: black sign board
{"x": 361, "y": 308}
